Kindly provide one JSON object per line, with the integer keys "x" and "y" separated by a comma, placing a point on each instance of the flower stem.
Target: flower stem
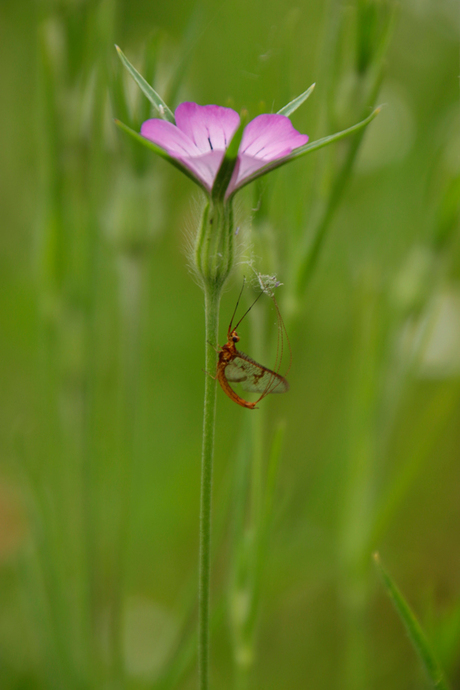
{"x": 212, "y": 301}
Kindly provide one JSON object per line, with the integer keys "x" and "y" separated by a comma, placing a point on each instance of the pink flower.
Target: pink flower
{"x": 202, "y": 133}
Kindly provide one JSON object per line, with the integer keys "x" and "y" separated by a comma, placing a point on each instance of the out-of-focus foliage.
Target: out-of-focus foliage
{"x": 101, "y": 348}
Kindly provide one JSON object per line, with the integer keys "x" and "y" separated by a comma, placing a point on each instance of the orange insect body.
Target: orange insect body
{"x": 235, "y": 366}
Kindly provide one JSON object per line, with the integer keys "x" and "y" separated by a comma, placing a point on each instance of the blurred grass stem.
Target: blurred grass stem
{"x": 131, "y": 276}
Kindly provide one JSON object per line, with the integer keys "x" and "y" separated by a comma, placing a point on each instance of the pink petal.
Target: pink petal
{"x": 249, "y": 165}
{"x": 198, "y": 140}
{"x": 179, "y": 146}
{"x": 202, "y": 133}
{"x": 265, "y": 139}
{"x": 168, "y": 137}
{"x": 269, "y": 136}
{"x": 210, "y": 127}
{"x": 204, "y": 167}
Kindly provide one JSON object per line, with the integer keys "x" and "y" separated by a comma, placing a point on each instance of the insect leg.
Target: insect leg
{"x": 217, "y": 349}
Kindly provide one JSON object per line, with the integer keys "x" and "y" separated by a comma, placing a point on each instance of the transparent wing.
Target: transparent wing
{"x": 253, "y": 377}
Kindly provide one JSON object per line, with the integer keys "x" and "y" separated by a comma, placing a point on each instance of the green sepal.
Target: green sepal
{"x": 296, "y": 103}
{"x": 154, "y": 98}
{"x": 308, "y": 148}
{"x": 161, "y": 152}
{"x": 225, "y": 172}
{"x": 413, "y": 629}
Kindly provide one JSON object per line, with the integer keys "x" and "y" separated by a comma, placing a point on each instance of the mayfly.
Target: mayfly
{"x": 236, "y": 367}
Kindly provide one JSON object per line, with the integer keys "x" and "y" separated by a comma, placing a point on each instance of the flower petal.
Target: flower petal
{"x": 204, "y": 167}
{"x": 265, "y": 139}
{"x": 210, "y": 127}
{"x": 269, "y": 136}
{"x": 248, "y": 164}
{"x": 169, "y": 137}
{"x": 203, "y": 132}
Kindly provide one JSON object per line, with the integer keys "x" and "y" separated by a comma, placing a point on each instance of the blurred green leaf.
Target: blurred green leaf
{"x": 448, "y": 214}
{"x": 447, "y": 637}
{"x": 422, "y": 439}
{"x": 374, "y": 24}
{"x": 414, "y": 630}
{"x": 190, "y": 40}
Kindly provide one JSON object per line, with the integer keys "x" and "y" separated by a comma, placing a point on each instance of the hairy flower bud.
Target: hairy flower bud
{"x": 214, "y": 244}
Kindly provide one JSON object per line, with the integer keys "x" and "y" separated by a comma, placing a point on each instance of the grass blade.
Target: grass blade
{"x": 414, "y": 630}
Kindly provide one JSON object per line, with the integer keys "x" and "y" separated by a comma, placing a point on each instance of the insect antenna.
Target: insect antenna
{"x": 236, "y": 307}
{"x": 231, "y": 327}
{"x": 248, "y": 310}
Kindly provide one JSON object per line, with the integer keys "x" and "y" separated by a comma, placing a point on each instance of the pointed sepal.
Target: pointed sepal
{"x": 155, "y": 99}
{"x": 296, "y": 103}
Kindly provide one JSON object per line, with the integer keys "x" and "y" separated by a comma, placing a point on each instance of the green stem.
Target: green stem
{"x": 212, "y": 301}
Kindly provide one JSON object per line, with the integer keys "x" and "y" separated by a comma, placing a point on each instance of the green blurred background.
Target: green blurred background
{"x": 102, "y": 349}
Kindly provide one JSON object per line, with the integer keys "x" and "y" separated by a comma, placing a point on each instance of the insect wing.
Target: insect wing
{"x": 253, "y": 377}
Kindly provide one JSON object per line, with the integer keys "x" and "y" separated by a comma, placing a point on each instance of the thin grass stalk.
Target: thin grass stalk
{"x": 366, "y": 91}
{"x": 358, "y": 491}
{"x": 101, "y": 35}
{"x": 131, "y": 301}
{"x": 53, "y": 518}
